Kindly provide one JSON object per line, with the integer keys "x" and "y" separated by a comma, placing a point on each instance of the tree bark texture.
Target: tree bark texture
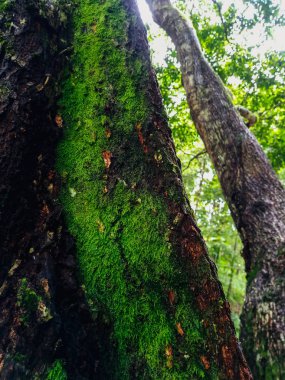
{"x": 253, "y": 192}
{"x": 45, "y": 324}
{"x": 142, "y": 259}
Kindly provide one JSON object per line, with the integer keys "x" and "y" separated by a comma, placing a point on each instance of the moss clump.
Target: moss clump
{"x": 4, "y": 4}
{"x": 27, "y": 300}
{"x": 31, "y": 304}
{"x": 56, "y": 372}
{"x": 121, "y": 226}
{"x": 4, "y": 92}
{"x": 19, "y": 357}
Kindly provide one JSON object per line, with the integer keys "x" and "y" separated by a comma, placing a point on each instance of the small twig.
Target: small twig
{"x": 192, "y": 10}
{"x": 66, "y": 50}
{"x": 194, "y": 158}
{"x": 41, "y": 86}
{"x": 186, "y": 153}
{"x": 219, "y": 8}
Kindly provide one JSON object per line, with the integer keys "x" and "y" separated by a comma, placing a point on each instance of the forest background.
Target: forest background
{"x": 243, "y": 42}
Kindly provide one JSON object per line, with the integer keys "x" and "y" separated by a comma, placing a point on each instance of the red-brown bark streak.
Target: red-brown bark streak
{"x": 211, "y": 302}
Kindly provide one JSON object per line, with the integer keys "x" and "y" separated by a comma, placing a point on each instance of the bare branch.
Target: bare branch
{"x": 194, "y": 158}
{"x": 219, "y": 9}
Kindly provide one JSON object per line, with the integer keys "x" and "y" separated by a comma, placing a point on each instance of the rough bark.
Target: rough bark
{"x": 143, "y": 261}
{"x": 46, "y": 330}
{"x": 253, "y": 192}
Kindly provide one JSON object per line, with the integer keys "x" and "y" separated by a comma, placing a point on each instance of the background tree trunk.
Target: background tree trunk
{"x": 44, "y": 319}
{"x": 143, "y": 261}
{"x": 253, "y": 192}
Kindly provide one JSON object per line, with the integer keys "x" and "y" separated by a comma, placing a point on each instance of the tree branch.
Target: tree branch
{"x": 219, "y": 9}
{"x": 194, "y": 158}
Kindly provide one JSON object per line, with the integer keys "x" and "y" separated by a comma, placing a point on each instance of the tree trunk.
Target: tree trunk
{"x": 143, "y": 261}
{"x": 152, "y": 290}
{"x": 44, "y": 319}
{"x": 253, "y": 192}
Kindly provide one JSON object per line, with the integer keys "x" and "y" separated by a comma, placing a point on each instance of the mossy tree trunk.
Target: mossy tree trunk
{"x": 44, "y": 320}
{"x": 159, "y": 309}
{"x": 143, "y": 262}
{"x": 252, "y": 190}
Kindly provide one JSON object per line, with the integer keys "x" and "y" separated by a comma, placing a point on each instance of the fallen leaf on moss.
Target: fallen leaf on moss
{"x": 169, "y": 356}
{"x": 169, "y": 350}
{"x": 205, "y": 362}
{"x": 179, "y": 329}
{"x": 107, "y": 158}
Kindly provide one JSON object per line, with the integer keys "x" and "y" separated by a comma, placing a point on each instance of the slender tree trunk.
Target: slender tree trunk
{"x": 42, "y": 306}
{"x": 143, "y": 261}
{"x": 253, "y": 192}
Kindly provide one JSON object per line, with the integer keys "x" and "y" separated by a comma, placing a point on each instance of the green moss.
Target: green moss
{"x": 31, "y": 304}
{"x": 56, "y": 372}
{"x": 27, "y": 300}
{"x": 4, "y": 4}
{"x": 19, "y": 357}
{"x": 121, "y": 226}
{"x": 4, "y": 92}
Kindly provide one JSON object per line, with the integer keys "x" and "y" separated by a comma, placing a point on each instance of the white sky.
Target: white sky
{"x": 277, "y": 42}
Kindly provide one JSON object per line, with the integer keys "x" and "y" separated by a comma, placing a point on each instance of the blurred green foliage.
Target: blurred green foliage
{"x": 256, "y": 80}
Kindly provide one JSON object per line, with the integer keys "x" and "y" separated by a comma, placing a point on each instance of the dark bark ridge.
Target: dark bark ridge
{"x": 253, "y": 192}
{"x": 142, "y": 258}
{"x": 45, "y": 323}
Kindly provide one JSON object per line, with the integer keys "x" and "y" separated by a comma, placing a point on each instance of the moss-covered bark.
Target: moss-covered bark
{"x": 45, "y": 326}
{"x": 142, "y": 259}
